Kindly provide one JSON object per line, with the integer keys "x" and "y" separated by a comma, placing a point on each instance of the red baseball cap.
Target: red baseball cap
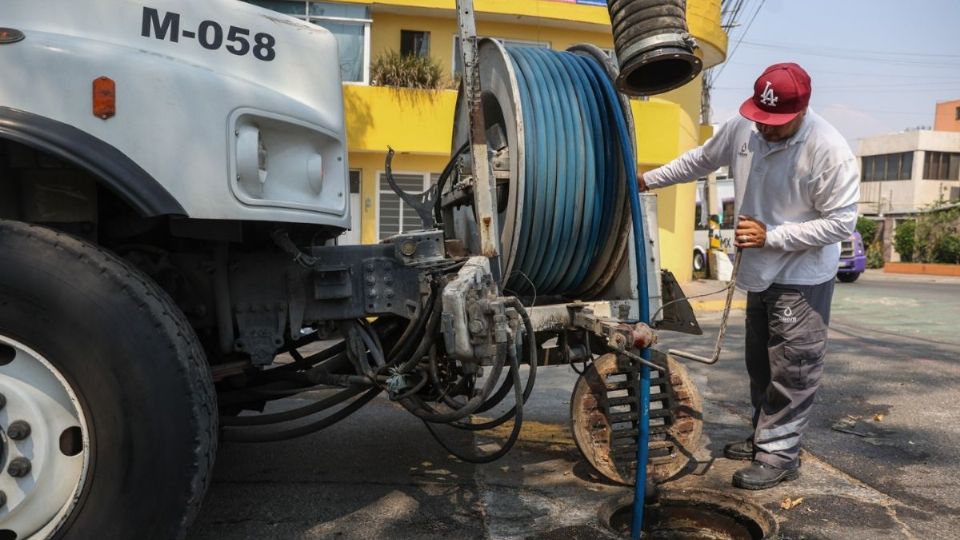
{"x": 779, "y": 95}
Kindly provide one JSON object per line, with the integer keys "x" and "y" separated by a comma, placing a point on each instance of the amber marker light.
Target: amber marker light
{"x": 104, "y": 98}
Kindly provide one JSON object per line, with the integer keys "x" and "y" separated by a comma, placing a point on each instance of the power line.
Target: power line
{"x": 866, "y": 57}
{"x": 859, "y": 91}
{"x": 740, "y": 39}
{"x": 794, "y": 46}
{"x": 898, "y": 75}
{"x": 728, "y": 21}
{"x": 918, "y": 85}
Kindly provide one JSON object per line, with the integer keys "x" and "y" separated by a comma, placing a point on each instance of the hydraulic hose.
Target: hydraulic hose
{"x": 292, "y": 414}
{"x": 245, "y": 435}
{"x": 517, "y": 414}
{"x": 532, "y": 361}
{"x": 425, "y": 412}
{"x": 428, "y": 414}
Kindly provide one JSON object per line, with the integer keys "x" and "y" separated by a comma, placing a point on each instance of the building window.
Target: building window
{"x": 941, "y": 166}
{"x": 887, "y": 167}
{"x": 355, "y": 180}
{"x": 458, "y": 56}
{"x": 726, "y": 217}
{"x": 394, "y": 216}
{"x": 349, "y": 24}
{"x": 957, "y": 112}
{"x": 414, "y": 43}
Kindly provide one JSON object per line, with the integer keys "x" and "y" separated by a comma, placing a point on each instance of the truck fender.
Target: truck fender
{"x": 110, "y": 166}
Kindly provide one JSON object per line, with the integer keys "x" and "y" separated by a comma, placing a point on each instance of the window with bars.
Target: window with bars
{"x": 394, "y": 215}
{"x": 349, "y": 24}
{"x": 941, "y": 166}
{"x": 886, "y": 167}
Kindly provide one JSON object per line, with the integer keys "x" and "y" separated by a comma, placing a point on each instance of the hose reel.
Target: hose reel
{"x": 563, "y": 210}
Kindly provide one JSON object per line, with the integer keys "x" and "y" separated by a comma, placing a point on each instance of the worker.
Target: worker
{"x": 797, "y": 187}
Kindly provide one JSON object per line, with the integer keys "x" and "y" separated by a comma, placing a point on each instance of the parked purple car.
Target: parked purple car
{"x": 853, "y": 259}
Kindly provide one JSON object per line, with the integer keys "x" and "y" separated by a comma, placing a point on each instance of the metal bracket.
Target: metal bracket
{"x": 422, "y": 202}
{"x": 620, "y": 337}
{"x": 678, "y": 314}
{"x": 260, "y": 330}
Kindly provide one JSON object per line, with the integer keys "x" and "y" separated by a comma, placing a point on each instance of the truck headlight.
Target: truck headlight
{"x": 251, "y": 159}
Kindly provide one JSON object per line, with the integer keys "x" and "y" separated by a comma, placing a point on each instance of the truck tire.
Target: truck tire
{"x": 116, "y": 410}
{"x": 848, "y": 277}
{"x": 699, "y": 261}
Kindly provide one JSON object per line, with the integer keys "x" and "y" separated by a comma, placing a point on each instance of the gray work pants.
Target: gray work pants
{"x": 786, "y": 337}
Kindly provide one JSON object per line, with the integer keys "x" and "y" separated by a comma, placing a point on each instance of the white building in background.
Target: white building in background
{"x": 903, "y": 173}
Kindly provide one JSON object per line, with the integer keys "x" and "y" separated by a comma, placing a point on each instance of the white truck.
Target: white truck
{"x": 173, "y": 182}
{"x": 724, "y": 209}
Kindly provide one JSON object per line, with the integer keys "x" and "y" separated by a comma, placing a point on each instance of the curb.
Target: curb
{"x": 716, "y": 306}
{"x": 927, "y": 269}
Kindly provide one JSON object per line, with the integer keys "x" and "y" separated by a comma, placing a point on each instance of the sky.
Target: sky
{"x": 877, "y": 66}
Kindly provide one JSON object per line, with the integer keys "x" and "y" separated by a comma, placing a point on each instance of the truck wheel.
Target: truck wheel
{"x": 699, "y": 261}
{"x": 848, "y": 277}
{"x": 107, "y": 415}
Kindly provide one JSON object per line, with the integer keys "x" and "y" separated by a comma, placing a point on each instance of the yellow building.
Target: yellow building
{"x": 418, "y": 124}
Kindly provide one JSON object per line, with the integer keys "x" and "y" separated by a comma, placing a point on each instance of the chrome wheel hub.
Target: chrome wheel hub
{"x": 44, "y": 444}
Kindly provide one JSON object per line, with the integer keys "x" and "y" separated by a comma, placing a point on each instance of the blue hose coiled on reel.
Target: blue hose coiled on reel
{"x": 570, "y": 111}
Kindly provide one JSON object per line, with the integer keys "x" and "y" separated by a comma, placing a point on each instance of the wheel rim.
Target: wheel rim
{"x": 698, "y": 261}
{"x": 45, "y": 444}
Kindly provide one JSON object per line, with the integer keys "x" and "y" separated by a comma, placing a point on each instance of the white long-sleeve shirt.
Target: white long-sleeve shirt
{"x": 805, "y": 190}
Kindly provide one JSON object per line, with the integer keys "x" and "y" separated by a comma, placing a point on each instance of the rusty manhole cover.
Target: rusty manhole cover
{"x": 604, "y": 412}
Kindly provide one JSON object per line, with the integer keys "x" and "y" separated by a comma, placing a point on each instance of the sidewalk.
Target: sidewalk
{"x": 716, "y": 295}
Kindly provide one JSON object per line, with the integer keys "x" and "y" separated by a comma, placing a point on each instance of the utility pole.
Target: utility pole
{"x": 710, "y": 185}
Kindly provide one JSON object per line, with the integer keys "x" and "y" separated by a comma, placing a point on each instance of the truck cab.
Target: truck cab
{"x": 853, "y": 258}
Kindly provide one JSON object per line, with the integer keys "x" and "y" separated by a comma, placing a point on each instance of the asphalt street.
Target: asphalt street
{"x": 881, "y": 454}
{"x": 887, "y": 414}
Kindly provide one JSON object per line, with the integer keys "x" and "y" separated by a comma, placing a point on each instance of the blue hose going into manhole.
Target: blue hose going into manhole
{"x": 579, "y": 147}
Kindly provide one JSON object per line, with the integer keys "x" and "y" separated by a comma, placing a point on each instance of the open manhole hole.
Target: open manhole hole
{"x": 686, "y": 514}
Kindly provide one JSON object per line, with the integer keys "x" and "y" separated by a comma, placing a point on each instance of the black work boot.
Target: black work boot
{"x": 742, "y": 450}
{"x": 759, "y": 475}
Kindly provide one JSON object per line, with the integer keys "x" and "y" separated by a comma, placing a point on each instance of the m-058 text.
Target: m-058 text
{"x": 210, "y": 35}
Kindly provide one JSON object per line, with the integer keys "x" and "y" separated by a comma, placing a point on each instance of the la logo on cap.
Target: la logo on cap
{"x": 768, "y": 98}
